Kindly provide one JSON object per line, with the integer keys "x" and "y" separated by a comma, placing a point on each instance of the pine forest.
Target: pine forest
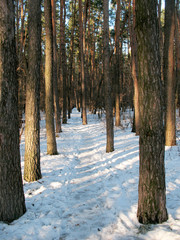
{"x": 89, "y": 119}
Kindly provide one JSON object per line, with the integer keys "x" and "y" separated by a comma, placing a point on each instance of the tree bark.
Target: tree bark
{"x": 57, "y": 110}
{"x": 169, "y": 77}
{"x": 152, "y": 191}
{"x": 107, "y": 80}
{"x": 50, "y": 129}
{"x": 134, "y": 71}
{"x": 12, "y": 200}
{"x": 117, "y": 65}
{"x": 81, "y": 48}
{"x": 22, "y": 64}
{"x": 63, "y": 60}
{"x": 177, "y": 32}
{"x": 22, "y": 30}
{"x": 92, "y": 72}
{"x": 32, "y": 171}
{"x": 17, "y": 27}
{"x": 71, "y": 58}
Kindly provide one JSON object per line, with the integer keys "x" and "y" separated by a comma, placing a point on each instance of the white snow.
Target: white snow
{"x": 86, "y": 193}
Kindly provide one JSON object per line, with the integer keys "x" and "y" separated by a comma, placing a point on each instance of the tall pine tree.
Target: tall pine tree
{"x": 32, "y": 171}
{"x": 12, "y": 202}
{"x": 152, "y": 191}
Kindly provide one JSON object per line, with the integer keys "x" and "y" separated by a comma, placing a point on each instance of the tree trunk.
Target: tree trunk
{"x": 81, "y": 49}
{"x": 134, "y": 72}
{"x": 169, "y": 77}
{"x": 161, "y": 38}
{"x": 71, "y": 58}
{"x": 12, "y": 200}
{"x": 32, "y": 171}
{"x": 17, "y": 27}
{"x": 152, "y": 191}
{"x": 107, "y": 80}
{"x": 57, "y": 110}
{"x": 117, "y": 66}
{"x": 22, "y": 30}
{"x": 63, "y": 60}
{"x": 177, "y": 32}
{"x": 92, "y": 72}
{"x": 22, "y": 64}
{"x": 50, "y": 130}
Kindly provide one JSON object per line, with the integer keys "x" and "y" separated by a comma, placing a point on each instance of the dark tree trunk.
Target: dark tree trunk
{"x": 32, "y": 171}
{"x": 152, "y": 191}
{"x": 17, "y": 27}
{"x": 57, "y": 110}
{"x": 161, "y": 37}
{"x": 71, "y": 59}
{"x": 178, "y": 54}
{"x": 50, "y": 129}
{"x": 169, "y": 76}
{"x": 107, "y": 80}
{"x": 12, "y": 200}
{"x": 63, "y": 60}
{"x": 92, "y": 72}
{"x": 22, "y": 31}
{"x": 22, "y": 63}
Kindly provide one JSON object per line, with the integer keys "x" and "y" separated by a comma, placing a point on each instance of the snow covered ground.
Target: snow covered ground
{"x": 86, "y": 193}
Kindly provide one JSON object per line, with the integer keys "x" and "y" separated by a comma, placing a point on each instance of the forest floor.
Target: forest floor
{"x": 88, "y": 194}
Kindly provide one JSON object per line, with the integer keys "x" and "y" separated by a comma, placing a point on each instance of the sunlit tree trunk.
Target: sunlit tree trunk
{"x": 169, "y": 76}
{"x": 82, "y": 45}
{"x": 117, "y": 65}
{"x": 107, "y": 80}
{"x": 12, "y": 202}
{"x": 152, "y": 191}
{"x": 134, "y": 71}
{"x": 32, "y": 171}
{"x": 50, "y": 129}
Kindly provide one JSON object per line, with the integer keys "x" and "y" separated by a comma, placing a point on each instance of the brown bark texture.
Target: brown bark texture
{"x": 12, "y": 202}
{"x": 32, "y": 170}
{"x": 107, "y": 80}
{"x": 50, "y": 129}
{"x": 169, "y": 75}
{"x": 71, "y": 60}
{"x": 134, "y": 71}
{"x": 57, "y": 110}
{"x": 82, "y": 59}
{"x": 17, "y": 27}
{"x": 177, "y": 32}
{"x": 63, "y": 59}
{"x": 92, "y": 70}
{"x": 152, "y": 197}
{"x": 117, "y": 65}
{"x": 22, "y": 29}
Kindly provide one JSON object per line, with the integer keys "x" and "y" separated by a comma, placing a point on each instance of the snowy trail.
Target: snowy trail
{"x": 88, "y": 201}
{"x": 87, "y": 194}
{"x": 83, "y": 203}
{"x": 84, "y": 185}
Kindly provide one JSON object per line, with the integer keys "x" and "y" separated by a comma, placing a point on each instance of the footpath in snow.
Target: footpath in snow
{"x": 87, "y": 194}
